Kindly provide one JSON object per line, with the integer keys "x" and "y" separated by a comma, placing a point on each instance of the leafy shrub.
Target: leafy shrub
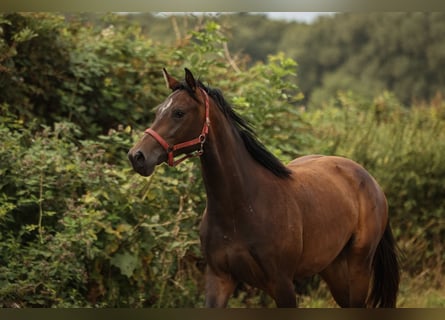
{"x": 96, "y": 78}
{"x": 78, "y": 230}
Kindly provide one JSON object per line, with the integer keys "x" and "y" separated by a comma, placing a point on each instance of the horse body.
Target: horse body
{"x": 320, "y": 212}
{"x": 267, "y": 224}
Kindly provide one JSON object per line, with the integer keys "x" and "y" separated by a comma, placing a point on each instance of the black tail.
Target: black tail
{"x": 386, "y": 276}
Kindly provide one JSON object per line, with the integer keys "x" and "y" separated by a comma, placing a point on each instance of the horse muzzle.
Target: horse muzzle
{"x": 141, "y": 163}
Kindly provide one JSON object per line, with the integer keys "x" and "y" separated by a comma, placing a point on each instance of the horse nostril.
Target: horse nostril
{"x": 139, "y": 158}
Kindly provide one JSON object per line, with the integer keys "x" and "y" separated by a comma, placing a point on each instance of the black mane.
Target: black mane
{"x": 256, "y": 149}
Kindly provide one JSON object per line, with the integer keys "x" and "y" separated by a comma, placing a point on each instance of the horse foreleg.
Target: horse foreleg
{"x": 218, "y": 289}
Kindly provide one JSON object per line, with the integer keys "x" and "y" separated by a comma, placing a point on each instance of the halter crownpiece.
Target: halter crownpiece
{"x": 199, "y": 140}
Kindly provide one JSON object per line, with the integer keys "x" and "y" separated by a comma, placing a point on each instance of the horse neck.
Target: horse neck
{"x": 231, "y": 176}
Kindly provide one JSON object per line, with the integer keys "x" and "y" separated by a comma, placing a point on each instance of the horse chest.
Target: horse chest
{"x": 240, "y": 263}
{"x": 224, "y": 254}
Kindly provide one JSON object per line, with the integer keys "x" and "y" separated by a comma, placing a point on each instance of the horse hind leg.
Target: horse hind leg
{"x": 348, "y": 278}
{"x": 337, "y": 278}
{"x": 360, "y": 275}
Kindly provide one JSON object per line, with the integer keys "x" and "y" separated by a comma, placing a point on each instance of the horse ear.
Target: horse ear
{"x": 189, "y": 79}
{"x": 171, "y": 82}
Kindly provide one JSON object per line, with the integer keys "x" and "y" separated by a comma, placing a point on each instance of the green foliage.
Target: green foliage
{"x": 369, "y": 53}
{"x": 364, "y": 52}
{"x": 79, "y": 230}
{"x": 269, "y": 102}
{"x": 97, "y": 78}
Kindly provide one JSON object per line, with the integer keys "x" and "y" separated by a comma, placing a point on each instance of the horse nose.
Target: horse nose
{"x": 137, "y": 159}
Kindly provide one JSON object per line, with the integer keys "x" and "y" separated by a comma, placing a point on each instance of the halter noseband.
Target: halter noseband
{"x": 199, "y": 140}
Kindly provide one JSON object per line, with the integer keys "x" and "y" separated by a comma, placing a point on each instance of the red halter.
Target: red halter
{"x": 199, "y": 140}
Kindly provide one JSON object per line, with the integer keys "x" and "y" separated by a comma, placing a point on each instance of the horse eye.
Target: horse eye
{"x": 178, "y": 114}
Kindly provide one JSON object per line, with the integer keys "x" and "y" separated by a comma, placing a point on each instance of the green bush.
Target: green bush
{"x": 97, "y": 78}
{"x": 79, "y": 230}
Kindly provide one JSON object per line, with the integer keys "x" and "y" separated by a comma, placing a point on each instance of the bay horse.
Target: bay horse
{"x": 267, "y": 224}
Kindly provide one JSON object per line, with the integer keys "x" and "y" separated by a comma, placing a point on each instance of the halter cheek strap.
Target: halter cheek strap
{"x": 200, "y": 140}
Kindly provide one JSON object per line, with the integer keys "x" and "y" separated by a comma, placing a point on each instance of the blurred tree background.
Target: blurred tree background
{"x": 78, "y": 228}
